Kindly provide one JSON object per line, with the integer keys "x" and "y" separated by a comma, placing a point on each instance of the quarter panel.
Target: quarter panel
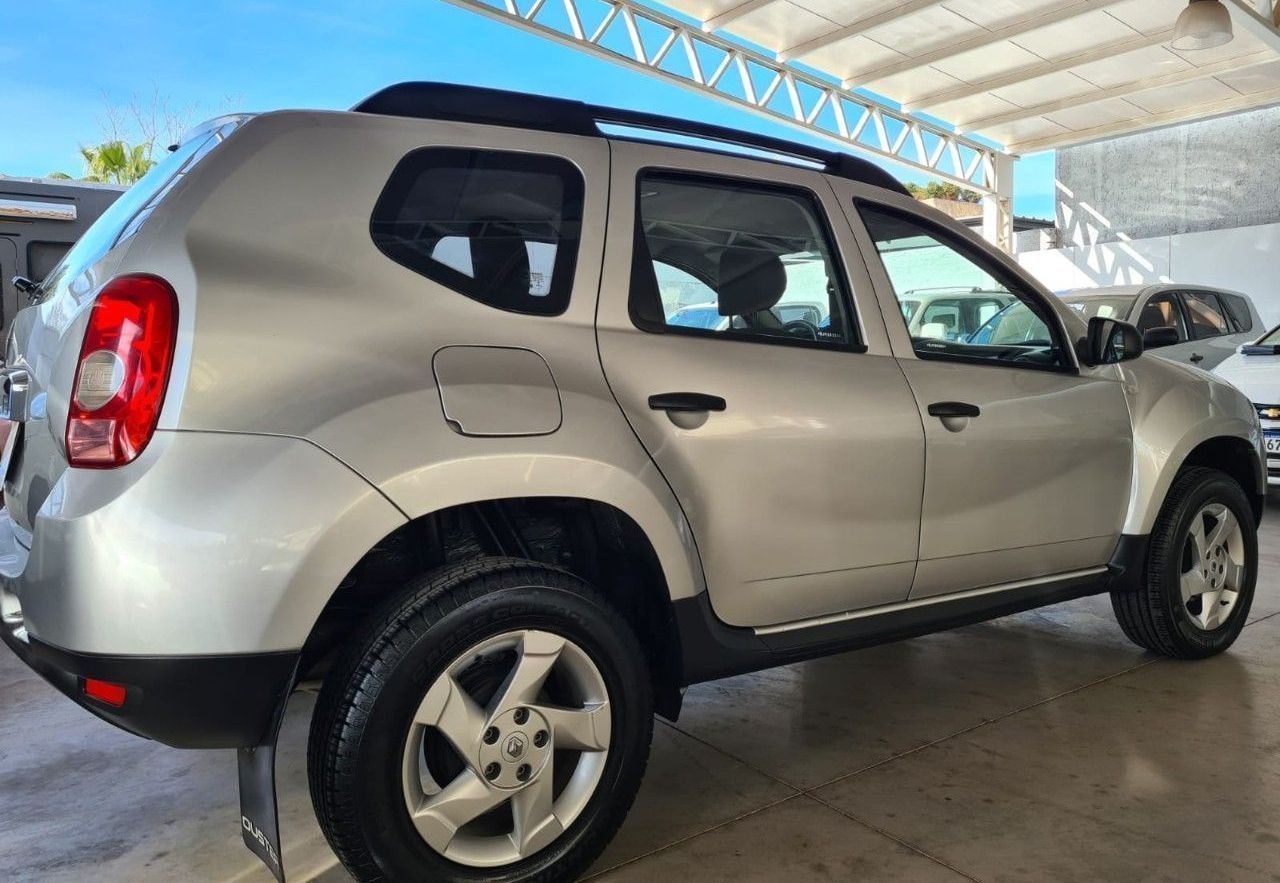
{"x": 303, "y": 328}
{"x": 209, "y": 543}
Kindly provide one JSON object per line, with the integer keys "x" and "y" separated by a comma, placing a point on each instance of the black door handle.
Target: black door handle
{"x": 953, "y": 409}
{"x": 685, "y": 401}
{"x": 1196, "y": 358}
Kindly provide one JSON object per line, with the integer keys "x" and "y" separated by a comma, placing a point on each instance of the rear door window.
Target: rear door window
{"x": 499, "y": 227}
{"x": 1162, "y": 311}
{"x": 738, "y": 260}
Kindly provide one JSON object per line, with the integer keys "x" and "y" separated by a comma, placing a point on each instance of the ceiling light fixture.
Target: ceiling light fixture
{"x": 1204, "y": 24}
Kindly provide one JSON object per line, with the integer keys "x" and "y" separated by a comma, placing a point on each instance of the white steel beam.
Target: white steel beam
{"x": 861, "y": 26}
{"x": 980, "y": 40}
{"x": 1243, "y": 15}
{"x": 646, "y": 40}
{"x": 997, "y": 207}
{"x": 979, "y": 124}
{"x": 732, "y": 14}
{"x": 1038, "y": 69}
{"x": 1153, "y": 121}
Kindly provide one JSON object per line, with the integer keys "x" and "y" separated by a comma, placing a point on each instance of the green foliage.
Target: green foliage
{"x": 939, "y": 190}
{"x": 114, "y": 162}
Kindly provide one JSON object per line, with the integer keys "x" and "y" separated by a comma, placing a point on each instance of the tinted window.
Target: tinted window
{"x": 1238, "y": 307}
{"x": 1206, "y": 314}
{"x": 735, "y": 259}
{"x": 501, "y": 228}
{"x": 1004, "y": 326}
{"x": 1161, "y": 311}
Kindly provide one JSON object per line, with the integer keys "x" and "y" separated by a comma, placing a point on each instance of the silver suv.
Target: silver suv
{"x": 1188, "y": 323}
{"x": 394, "y": 399}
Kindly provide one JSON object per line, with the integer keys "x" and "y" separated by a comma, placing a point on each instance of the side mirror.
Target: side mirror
{"x": 1164, "y": 335}
{"x": 1110, "y": 341}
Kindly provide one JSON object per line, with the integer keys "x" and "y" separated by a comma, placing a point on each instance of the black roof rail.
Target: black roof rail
{"x": 499, "y": 107}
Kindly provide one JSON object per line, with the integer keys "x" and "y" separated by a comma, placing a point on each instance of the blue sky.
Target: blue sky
{"x": 63, "y": 63}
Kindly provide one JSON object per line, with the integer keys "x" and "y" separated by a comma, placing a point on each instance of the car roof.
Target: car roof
{"x": 521, "y": 110}
{"x": 1105, "y": 291}
{"x": 1134, "y": 290}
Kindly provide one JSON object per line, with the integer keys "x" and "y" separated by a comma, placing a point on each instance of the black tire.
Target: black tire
{"x": 363, "y": 714}
{"x": 1153, "y": 615}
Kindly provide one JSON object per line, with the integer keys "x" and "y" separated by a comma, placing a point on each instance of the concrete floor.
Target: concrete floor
{"x": 1038, "y": 747}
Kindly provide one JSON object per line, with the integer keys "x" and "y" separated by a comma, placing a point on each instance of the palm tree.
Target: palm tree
{"x": 115, "y": 162}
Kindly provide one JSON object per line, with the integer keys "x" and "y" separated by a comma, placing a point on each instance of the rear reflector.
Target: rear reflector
{"x": 105, "y": 691}
{"x": 123, "y": 371}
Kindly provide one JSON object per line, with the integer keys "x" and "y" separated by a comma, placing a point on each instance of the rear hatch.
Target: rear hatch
{"x": 44, "y": 344}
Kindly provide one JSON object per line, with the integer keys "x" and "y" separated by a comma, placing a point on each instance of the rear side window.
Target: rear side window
{"x": 1206, "y": 314}
{"x": 496, "y": 226}
{"x": 1238, "y": 307}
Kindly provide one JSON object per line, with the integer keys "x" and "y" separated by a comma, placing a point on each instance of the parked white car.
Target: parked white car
{"x": 1255, "y": 371}
{"x": 1183, "y": 323}
{"x": 951, "y": 313}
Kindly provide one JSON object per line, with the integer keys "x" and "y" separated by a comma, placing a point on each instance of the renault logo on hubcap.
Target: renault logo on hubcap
{"x": 514, "y": 747}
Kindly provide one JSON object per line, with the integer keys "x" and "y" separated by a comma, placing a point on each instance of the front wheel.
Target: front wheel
{"x": 492, "y": 725}
{"x": 1202, "y": 565}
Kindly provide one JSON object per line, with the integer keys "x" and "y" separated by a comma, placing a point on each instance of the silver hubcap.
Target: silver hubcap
{"x": 510, "y": 748}
{"x": 1213, "y": 566}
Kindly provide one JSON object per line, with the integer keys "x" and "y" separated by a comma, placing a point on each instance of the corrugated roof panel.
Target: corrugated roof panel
{"x": 977, "y": 65}
{"x": 781, "y": 24}
{"x": 1051, "y": 87}
{"x": 1141, "y": 64}
{"x": 1075, "y": 35}
{"x": 1099, "y": 113}
{"x": 1184, "y": 94}
{"x": 1255, "y": 79}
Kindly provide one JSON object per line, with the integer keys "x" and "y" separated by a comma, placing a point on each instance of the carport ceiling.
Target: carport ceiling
{"x": 1027, "y": 74}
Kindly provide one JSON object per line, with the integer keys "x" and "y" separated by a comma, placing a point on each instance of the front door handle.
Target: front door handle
{"x": 1196, "y": 358}
{"x": 953, "y": 409}
{"x": 685, "y": 402}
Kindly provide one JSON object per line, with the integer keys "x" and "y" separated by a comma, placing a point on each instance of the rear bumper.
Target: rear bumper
{"x": 183, "y": 701}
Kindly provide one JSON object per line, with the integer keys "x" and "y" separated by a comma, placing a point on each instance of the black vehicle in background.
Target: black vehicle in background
{"x": 40, "y": 218}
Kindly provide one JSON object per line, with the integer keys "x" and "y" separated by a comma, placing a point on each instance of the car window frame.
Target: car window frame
{"x": 1192, "y": 330}
{"x": 1012, "y": 282}
{"x": 857, "y": 342}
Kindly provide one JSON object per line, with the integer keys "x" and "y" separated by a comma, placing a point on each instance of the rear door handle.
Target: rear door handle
{"x": 685, "y": 401}
{"x": 953, "y": 409}
{"x": 1196, "y": 358}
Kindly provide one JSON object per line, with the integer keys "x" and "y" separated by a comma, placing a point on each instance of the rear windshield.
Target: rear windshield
{"x": 126, "y": 214}
{"x": 1106, "y": 307}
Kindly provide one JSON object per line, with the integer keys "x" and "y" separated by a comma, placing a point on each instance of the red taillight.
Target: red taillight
{"x": 105, "y": 691}
{"x": 123, "y": 371}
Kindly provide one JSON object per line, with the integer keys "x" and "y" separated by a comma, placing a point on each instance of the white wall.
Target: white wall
{"x": 1246, "y": 259}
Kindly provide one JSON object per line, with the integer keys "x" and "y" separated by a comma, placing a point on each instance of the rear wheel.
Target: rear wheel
{"x": 1201, "y": 568}
{"x": 493, "y": 725}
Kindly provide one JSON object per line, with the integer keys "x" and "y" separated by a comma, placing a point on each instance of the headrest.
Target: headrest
{"x": 500, "y": 261}
{"x": 750, "y": 281}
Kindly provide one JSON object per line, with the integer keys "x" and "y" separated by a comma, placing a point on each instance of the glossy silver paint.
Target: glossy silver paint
{"x": 804, "y": 493}
{"x": 315, "y": 405}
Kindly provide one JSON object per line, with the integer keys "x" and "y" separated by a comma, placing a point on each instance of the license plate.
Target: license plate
{"x": 1272, "y": 442}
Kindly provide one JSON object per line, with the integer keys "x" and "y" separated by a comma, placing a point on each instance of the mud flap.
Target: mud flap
{"x": 259, "y": 815}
